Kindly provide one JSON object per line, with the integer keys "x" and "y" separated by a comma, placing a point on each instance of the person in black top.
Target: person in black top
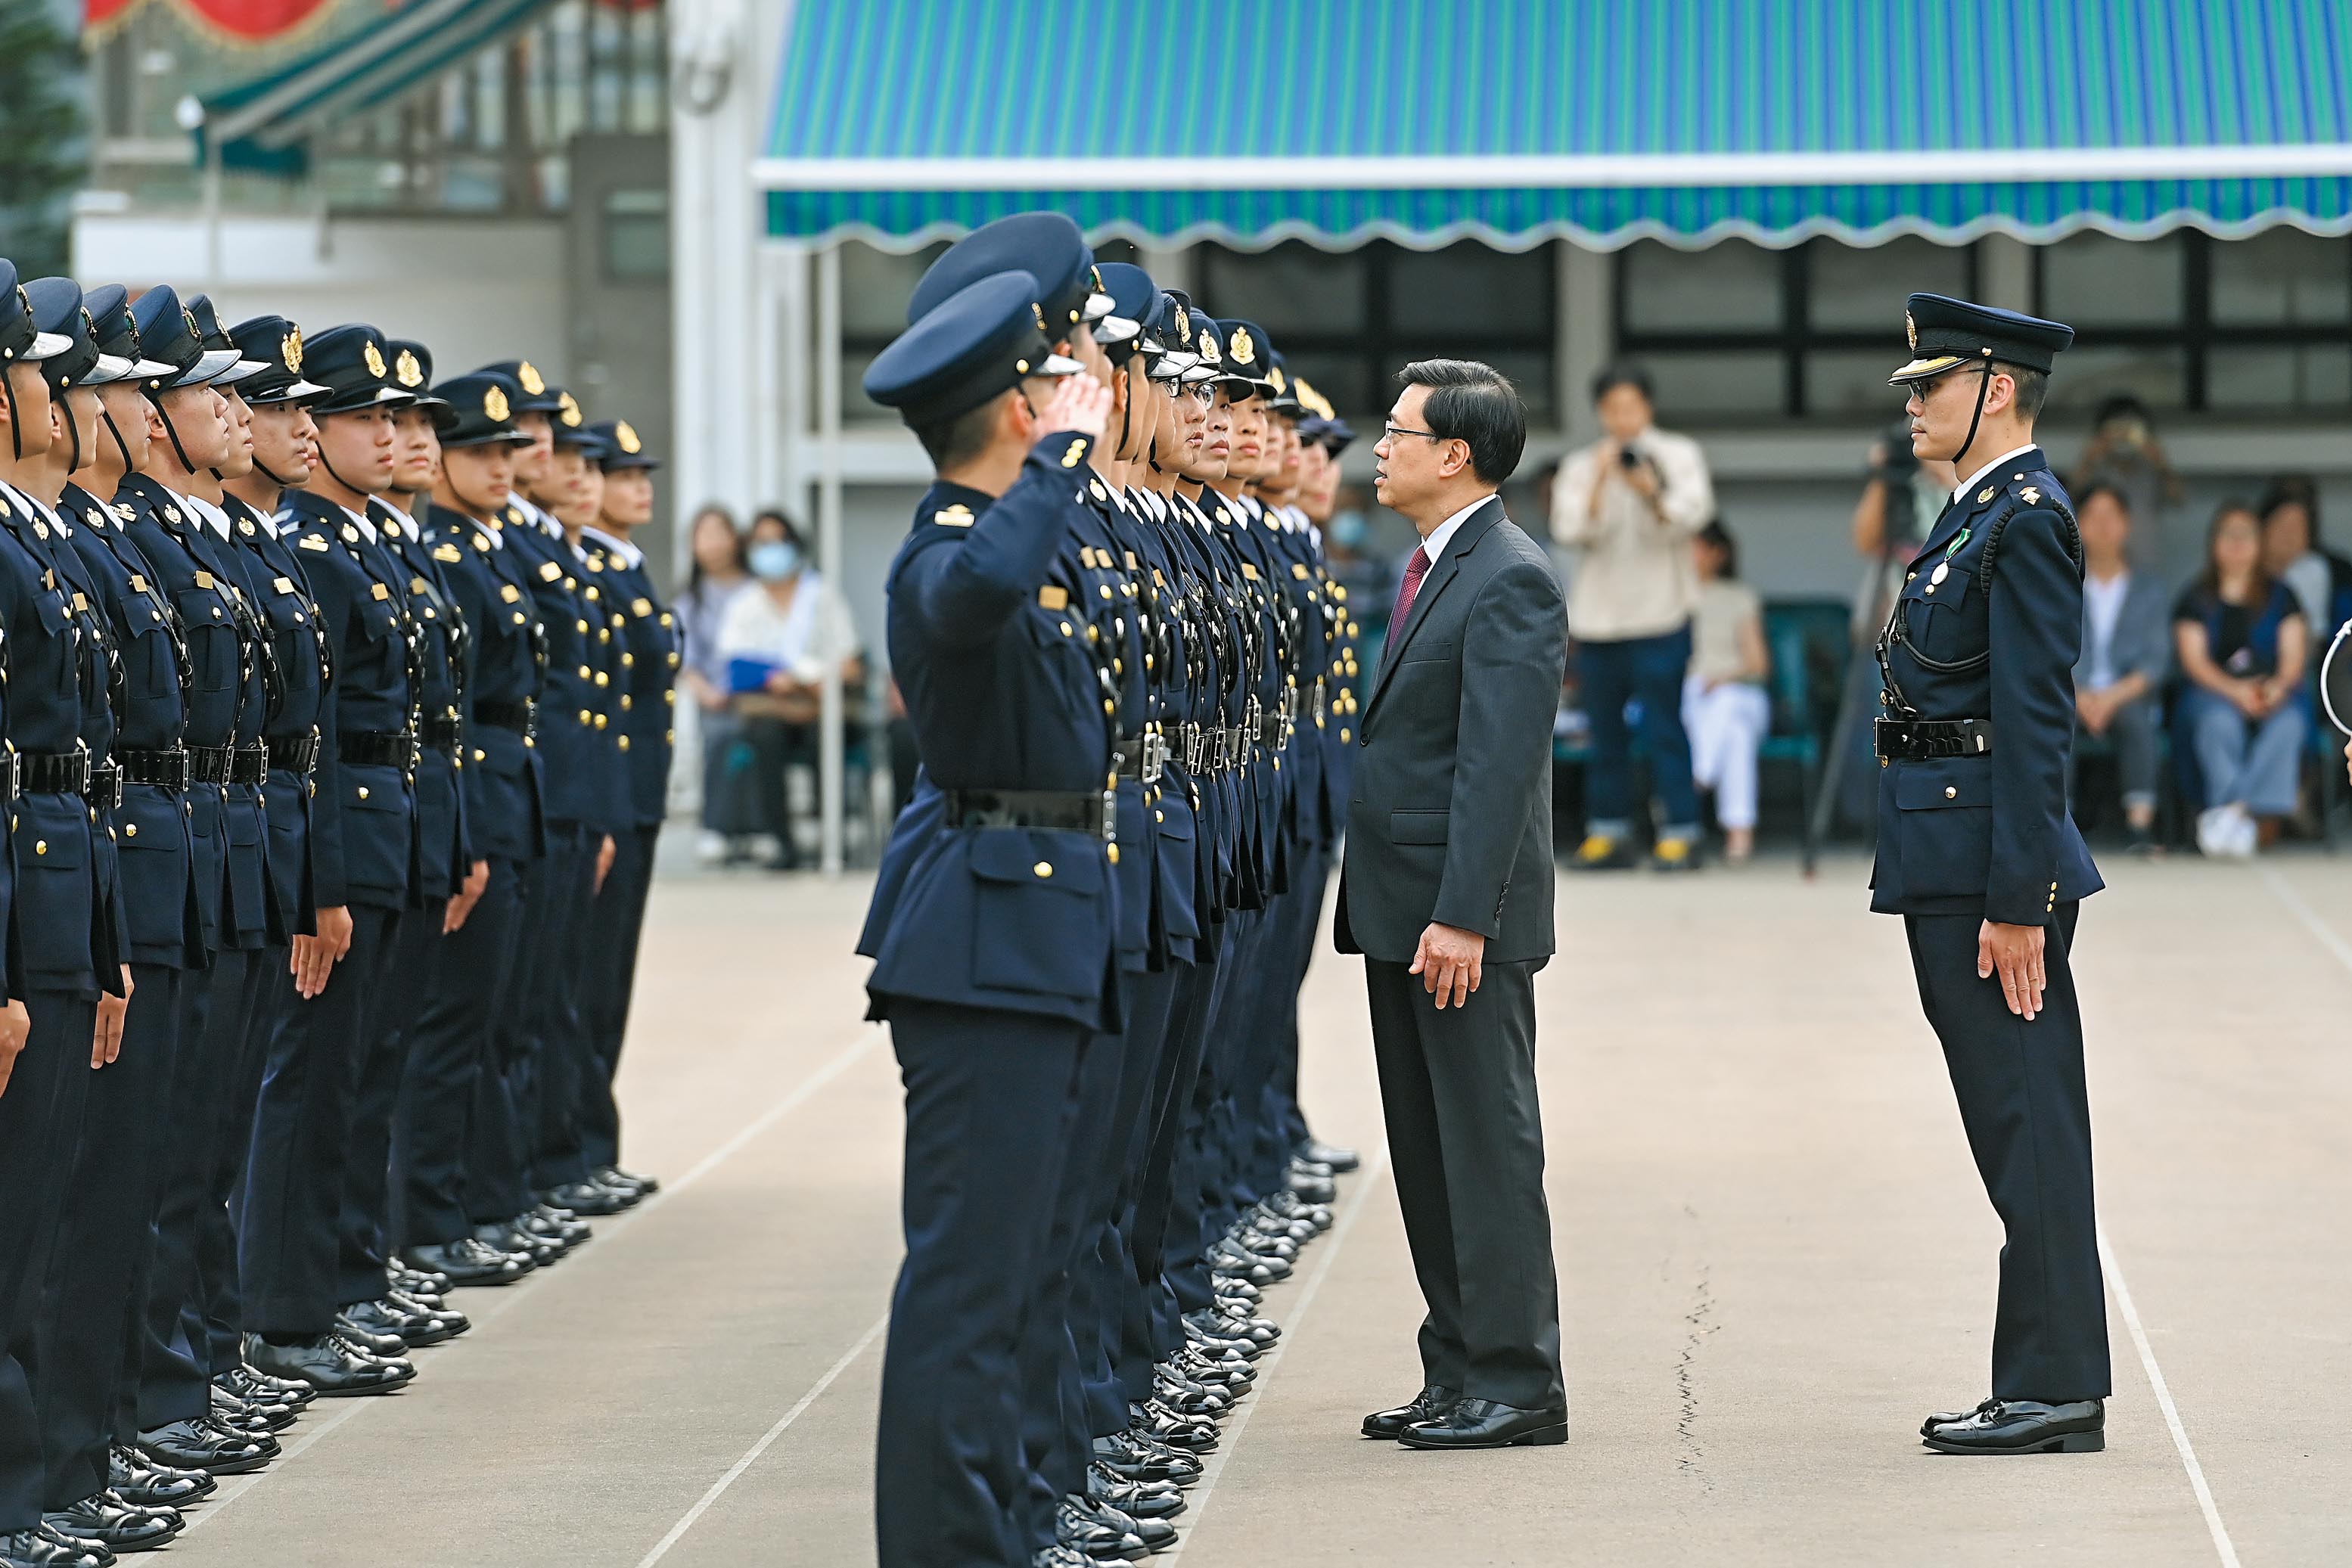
{"x": 2243, "y": 641}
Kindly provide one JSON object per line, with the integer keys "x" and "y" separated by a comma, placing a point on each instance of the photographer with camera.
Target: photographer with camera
{"x": 2125, "y": 455}
{"x": 1628, "y": 506}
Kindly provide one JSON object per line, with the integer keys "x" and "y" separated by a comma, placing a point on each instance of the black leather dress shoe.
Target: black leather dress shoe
{"x": 1157, "y": 1535}
{"x": 1098, "y": 1538}
{"x": 44, "y": 1548}
{"x": 109, "y": 1522}
{"x": 1330, "y": 1154}
{"x": 1312, "y": 1189}
{"x": 1177, "y": 1430}
{"x": 1141, "y": 1499}
{"x": 199, "y": 1444}
{"x": 427, "y": 1311}
{"x": 135, "y": 1478}
{"x": 1426, "y": 1405}
{"x": 244, "y": 1383}
{"x": 329, "y": 1365}
{"x": 470, "y": 1262}
{"x": 407, "y": 1274}
{"x": 1134, "y": 1455}
{"x": 236, "y": 1414}
{"x": 1060, "y": 1556}
{"x": 1484, "y": 1423}
{"x": 589, "y": 1199}
{"x": 613, "y": 1175}
{"x": 412, "y": 1327}
{"x": 354, "y": 1332}
{"x": 1945, "y": 1417}
{"x": 2025, "y": 1427}
{"x": 562, "y": 1224}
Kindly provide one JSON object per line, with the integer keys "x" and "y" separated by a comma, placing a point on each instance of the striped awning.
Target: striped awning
{"x": 1515, "y": 122}
{"x": 265, "y": 123}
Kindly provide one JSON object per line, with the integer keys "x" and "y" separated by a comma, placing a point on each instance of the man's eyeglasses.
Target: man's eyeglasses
{"x": 1401, "y": 430}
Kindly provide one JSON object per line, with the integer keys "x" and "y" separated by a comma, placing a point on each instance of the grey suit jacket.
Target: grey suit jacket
{"x": 2143, "y": 635}
{"x": 1450, "y": 818}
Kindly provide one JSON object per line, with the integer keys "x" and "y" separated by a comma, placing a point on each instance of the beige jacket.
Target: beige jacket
{"x": 1634, "y": 571}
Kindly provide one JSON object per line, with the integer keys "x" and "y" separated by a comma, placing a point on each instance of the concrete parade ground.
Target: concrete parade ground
{"x": 1774, "y": 1254}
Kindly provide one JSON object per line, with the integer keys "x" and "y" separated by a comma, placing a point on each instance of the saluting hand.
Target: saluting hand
{"x": 1450, "y": 962}
{"x": 1080, "y": 405}
{"x": 15, "y": 1028}
{"x": 2016, "y": 952}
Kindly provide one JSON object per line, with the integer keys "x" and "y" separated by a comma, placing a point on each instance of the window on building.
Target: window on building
{"x": 1348, "y": 322}
{"x": 1737, "y": 332}
{"x": 2258, "y": 326}
{"x": 875, "y": 287}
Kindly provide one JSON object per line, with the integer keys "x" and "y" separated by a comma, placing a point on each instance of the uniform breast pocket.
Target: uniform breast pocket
{"x": 1933, "y": 611}
{"x": 1946, "y": 812}
{"x": 53, "y": 876}
{"x": 1038, "y": 917}
{"x": 211, "y": 639}
{"x": 151, "y": 664}
{"x": 57, "y": 626}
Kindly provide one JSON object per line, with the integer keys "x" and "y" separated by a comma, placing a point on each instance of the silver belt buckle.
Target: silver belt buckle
{"x": 1110, "y": 816}
{"x": 1155, "y": 757}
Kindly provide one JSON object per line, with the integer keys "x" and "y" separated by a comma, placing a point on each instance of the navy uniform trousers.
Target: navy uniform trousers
{"x": 40, "y": 1115}
{"x": 364, "y": 1220}
{"x": 454, "y": 1091}
{"x": 990, "y": 1098}
{"x": 88, "y": 1392}
{"x": 615, "y": 929}
{"x": 2028, "y": 1115}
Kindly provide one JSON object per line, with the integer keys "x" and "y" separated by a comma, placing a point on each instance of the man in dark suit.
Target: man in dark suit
{"x": 1446, "y": 891}
{"x": 1977, "y": 853}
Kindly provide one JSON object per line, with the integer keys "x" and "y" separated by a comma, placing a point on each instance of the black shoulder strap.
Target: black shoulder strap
{"x": 2012, "y": 504}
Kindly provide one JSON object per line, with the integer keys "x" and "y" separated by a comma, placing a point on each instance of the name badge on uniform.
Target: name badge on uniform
{"x": 282, "y": 584}
{"x": 1054, "y": 598}
{"x": 311, "y": 541}
{"x": 378, "y": 590}
{"x": 509, "y": 594}
{"x": 203, "y": 580}
{"x": 81, "y": 605}
{"x": 447, "y": 552}
{"x": 1249, "y": 571}
{"x": 416, "y": 585}
{"x": 138, "y": 583}
{"x": 549, "y": 572}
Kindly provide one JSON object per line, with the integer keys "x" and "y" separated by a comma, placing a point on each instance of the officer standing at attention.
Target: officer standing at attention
{"x": 1977, "y": 853}
{"x": 362, "y": 848}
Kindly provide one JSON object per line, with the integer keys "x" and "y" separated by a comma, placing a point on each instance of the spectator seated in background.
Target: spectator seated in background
{"x": 1627, "y": 507}
{"x": 1725, "y": 710}
{"x": 2320, "y": 578}
{"x": 2121, "y": 671}
{"x": 720, "y": 572}
{"x": 776, "y": 639}
{"x": 2124, "y": 454}
{"x": 2240, "y": 638}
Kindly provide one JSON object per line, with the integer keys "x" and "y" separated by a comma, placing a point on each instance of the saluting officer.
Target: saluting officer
{"x": 1978, "y": 854}
{"x": 997, "y": 967}
{"x": 362, "y": 842}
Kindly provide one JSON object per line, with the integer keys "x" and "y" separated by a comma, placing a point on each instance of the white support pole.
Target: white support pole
{"x": 829, "y": 547}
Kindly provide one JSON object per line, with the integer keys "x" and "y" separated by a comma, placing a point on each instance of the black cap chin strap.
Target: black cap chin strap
{"x": 1984, "y": 388}
{"x": 264, "y": 470}
{"x": 115, "y": 431}
{"x": 16, "y": 416}
{"x": 156, "y": 398}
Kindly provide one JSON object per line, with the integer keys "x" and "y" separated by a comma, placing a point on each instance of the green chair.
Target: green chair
{"x": 1808, "y": 644}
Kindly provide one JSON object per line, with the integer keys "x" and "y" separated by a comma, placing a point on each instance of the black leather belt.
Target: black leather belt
{"x": 378, "y": 748}
{"x": 211, "y": 764}
{"x": 298, "y": 755}
{"x": 1142, "y": 758}
{"x": 441, "y": 735}
{"x": 1272, "y": 730}
{"x": 250, "y": 764}
{"x": 167, "y": 768}
{"x": 521, "y": 717}
{"x": 55, "y": 772}
{"x": 1077, "y": 813}
{"x": 105, "y": 786}
{"x": 12, "y": 774}
{"x": 1923, "y": 739}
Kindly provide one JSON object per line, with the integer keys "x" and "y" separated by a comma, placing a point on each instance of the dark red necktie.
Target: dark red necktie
{"x": 1414, "y": 570}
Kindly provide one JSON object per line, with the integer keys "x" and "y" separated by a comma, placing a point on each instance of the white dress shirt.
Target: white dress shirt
{"x": 1435, "y": 544}
{"x": 1959, "y": 491}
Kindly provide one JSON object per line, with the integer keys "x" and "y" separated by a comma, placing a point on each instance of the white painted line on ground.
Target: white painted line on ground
{"x": 751, "y": 1455}
{"x": 2312, "y": 923}
{"x": 2229, "y": 1554}
{"x": 522, "y": 1291}
{"x": 1214, "y": 1470}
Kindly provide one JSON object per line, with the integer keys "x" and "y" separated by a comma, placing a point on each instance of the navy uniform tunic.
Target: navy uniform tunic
{"x": 1985, "y": 836}
{"x": 304, "y": 664}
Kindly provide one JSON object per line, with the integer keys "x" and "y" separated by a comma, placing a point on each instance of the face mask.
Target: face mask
{"x": 1350, "y": 529}
{"x": 774, "y": 560}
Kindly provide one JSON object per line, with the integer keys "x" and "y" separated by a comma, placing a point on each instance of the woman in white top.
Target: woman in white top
{"x": 1725, "y": 706}
{"x": 774, "y": 641}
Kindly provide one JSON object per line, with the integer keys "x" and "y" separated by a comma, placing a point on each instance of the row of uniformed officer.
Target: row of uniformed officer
{"x": 1130, "y": 681}
{"x": 336, "y": 706}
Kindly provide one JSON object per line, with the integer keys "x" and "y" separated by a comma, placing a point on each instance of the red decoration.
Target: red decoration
{"x": 238, "y": 21}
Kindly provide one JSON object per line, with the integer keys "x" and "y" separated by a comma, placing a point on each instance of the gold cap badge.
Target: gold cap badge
{"x": 1242, "y": 347}
{"x": 1911, "y": 331}
{"x": 185, "y": 315}
{"x": 410, "y": 372}
{"x": 1039, "y": 311}
{"x": 494, "y": 404}
{"x": 626, "y": 436}
{"x": 527, "y": 374}
{"x": 1183, "y": 323}
{"x": 290, "y": 351}
{"x": 1208, "y": 347}
{"x": 571, "y": 410}
{"x": 374, "y": 357}
{"x": 1274, "y": 375}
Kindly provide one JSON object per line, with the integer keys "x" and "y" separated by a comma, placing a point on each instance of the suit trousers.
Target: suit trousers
{"x": 451, "y": 1055}
{"x": 264, "y": 994}
{"x": 40, "y": 1117}
{"x": 175, "y": 1368}
{"x": 288, "y": 1238}
{"x": 92, "y": 1318}
{"x": 988, "y": 1102}
{"x": 1458, "y": 1088}
{"x": 615, "y": 927}
{"x": 363, "y": 1220}
{"x": 2028, "y": 1115}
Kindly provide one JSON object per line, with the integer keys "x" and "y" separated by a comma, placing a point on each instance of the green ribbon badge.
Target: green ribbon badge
{"x": 1954, "y": 547}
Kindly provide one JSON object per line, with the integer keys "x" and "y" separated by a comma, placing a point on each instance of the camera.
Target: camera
{"x": 1628, "y": 458}
{"x": 1900, "y": 463}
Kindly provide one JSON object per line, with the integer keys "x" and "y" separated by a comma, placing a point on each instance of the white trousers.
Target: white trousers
{"x": 1726, "y": 727}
